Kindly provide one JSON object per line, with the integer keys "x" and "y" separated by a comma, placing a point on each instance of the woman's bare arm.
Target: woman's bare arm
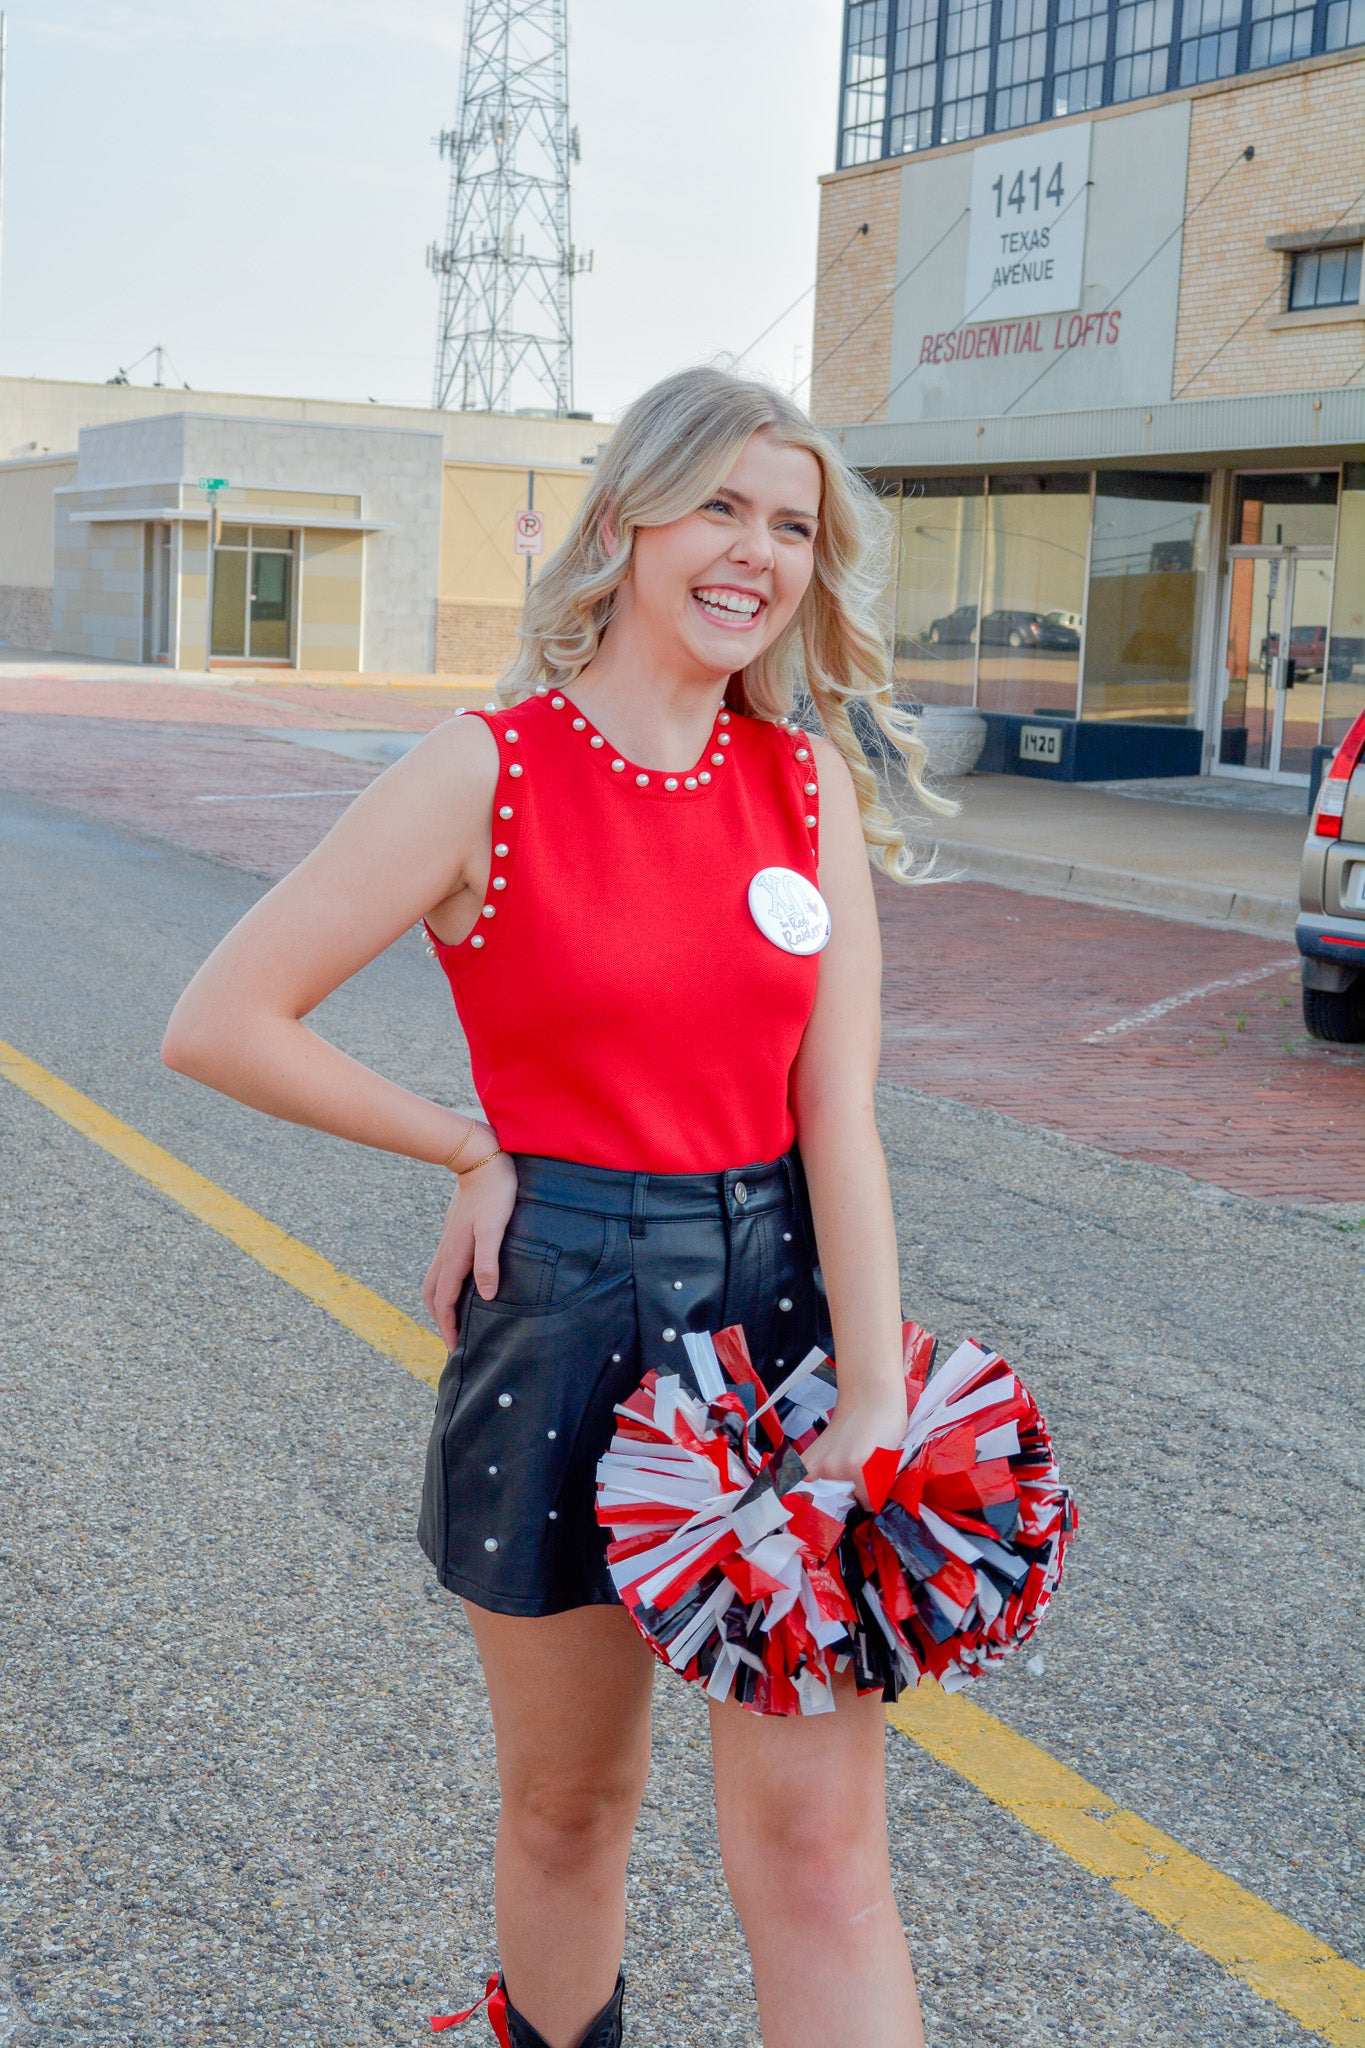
{"x": 832, "y": 1101}
{"x": 414, "y": 844}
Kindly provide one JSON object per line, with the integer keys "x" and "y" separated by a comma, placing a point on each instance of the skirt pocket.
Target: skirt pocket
{"x": 549, "y": 1260}
{"x": 509, "y": 1472}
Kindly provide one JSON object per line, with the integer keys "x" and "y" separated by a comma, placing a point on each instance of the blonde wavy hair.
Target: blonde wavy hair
{"x": 673, "y": 449}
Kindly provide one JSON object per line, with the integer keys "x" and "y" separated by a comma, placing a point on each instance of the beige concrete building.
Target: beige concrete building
{"x": 206, "y": 530}
{"x": 1104, "y": 346}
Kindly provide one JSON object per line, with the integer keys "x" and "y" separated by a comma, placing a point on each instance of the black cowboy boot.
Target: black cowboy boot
{"x": 604, "y": 2032}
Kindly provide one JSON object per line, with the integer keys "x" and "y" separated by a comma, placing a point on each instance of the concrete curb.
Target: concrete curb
{"x": 1038, "y": 874}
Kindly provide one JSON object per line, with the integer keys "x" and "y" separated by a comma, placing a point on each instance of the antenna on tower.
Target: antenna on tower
{"x": 506, "y": 267}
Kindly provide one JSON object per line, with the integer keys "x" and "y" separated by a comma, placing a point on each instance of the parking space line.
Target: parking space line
{"x": 277, "y": 796}
{"x": 1154, "y": 1012}
{"x": 1279, "y": 1960}
{"x": 355, "y": 1306}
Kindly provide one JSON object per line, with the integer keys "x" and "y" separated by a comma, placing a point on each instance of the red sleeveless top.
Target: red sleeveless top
{"x": 622, "y": 1007}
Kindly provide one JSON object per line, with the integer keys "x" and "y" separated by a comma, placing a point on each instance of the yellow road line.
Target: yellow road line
{"x": 1280, "y": 1960}
{"x": 354, "y": 1305}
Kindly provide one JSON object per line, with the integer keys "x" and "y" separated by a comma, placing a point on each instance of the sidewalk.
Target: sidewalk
{"x": 21, "y": 664}
{"x": 1208, "y": 864}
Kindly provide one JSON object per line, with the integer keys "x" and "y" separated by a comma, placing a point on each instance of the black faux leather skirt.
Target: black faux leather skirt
{"x": 600, "y": 1274}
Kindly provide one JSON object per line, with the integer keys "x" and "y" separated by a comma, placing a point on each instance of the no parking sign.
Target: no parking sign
{"x": 530, "y": 533}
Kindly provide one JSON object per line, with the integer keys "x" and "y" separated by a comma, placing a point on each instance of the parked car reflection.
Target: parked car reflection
{"x": 1028, "y": 629}
{"x": 1307, "y": 649}
{"x": 1058, "y": 631}
{"x": 955, "y": 628}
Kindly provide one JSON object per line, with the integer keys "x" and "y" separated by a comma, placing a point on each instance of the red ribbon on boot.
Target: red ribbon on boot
{"x": 495, "y": 1998}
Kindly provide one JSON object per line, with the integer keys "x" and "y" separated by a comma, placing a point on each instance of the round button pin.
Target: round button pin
{"x": 789, "y": 910}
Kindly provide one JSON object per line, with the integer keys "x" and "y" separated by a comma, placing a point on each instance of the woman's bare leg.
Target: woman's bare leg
{"x": 802, "y": 1808}
{"x": 570, "y": 1696}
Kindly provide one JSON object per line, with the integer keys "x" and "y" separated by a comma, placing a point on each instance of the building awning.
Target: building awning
{"x": 231, "y": 515}
{"x": 1326, "y": 426}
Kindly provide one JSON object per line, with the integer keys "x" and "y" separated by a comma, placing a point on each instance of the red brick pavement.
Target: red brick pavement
{"x": 151, "y": 778}
{"x": 991, "y": 995}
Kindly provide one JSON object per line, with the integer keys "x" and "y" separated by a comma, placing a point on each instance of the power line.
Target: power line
{"x": 1349, "y": 207}
{"x": 1243, "y": 156}
{"x": 877, "y": 304}
{"x": 966, "y": 319}
{"x": 864, "y": 229}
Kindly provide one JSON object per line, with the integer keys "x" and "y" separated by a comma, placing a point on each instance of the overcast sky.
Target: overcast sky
{"x": 254, "y": 184}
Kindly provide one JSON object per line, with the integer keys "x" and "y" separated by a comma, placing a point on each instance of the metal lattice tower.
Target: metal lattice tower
{"x": 506, "y": 267}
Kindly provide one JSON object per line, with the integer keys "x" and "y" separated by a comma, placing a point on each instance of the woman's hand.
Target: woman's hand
{"x": 470, "y": 1241}
{"x": 859, "y": 1426}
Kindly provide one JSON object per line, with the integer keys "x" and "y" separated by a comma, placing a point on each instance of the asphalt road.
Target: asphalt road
{"x": 248, "y": 1786}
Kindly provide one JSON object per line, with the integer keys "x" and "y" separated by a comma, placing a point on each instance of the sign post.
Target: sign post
{"x": 529, "y": 537}
{"x": 213, "y": 485}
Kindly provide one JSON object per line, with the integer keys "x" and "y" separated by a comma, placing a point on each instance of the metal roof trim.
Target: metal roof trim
{"x": 1297, "y": 421}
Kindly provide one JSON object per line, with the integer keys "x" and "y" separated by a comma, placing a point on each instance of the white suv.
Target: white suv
{"x": 1331, "y": 926}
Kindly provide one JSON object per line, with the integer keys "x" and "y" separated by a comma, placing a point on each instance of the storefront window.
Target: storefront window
{"x": 938, "y": 582}
{"x": 1148, "y": 560}
{"x": 1033, "y": 593}
{"x": 1346, "y": 648}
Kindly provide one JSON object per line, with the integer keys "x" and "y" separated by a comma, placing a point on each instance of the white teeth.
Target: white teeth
{"x": 728, "y": 601}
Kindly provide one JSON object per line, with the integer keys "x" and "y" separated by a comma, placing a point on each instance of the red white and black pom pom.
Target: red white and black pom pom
{"x": 748, "y": 1576}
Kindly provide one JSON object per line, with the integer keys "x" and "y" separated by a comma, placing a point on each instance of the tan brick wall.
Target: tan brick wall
{"x": 1308, "y": 129}
{"x": 97, "y": 595}
{"x": 331, "y": 575}
{"x": 26, "y": 521}
{"x": 479, "y": 562}
{"x": 852, "y": 384}
{"x": 475, "y": 639}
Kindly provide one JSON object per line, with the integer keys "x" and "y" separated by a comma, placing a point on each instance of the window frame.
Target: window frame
{"x": 1314, "y": 256}
{"x": 858, "y": 143}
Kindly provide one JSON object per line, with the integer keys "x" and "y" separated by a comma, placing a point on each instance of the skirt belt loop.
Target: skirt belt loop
{"x": 637, "y": 1205}
{"x": 789, "y": 1170}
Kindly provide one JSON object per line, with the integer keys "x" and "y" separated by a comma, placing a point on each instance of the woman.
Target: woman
{"x": 650, "y": 1051}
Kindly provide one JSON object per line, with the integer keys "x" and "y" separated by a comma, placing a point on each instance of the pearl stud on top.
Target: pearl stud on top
{"x": 719, "y": 740}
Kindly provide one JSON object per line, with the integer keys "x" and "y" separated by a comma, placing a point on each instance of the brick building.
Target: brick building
{"x": 1091, "y": 312}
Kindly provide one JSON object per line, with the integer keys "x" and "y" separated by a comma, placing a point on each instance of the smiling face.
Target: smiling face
{"x": 722, "y": 583}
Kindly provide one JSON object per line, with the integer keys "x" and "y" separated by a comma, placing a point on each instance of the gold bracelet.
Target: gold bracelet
{"x": 465, "y": 1171}
{"x": 449, "y": 1164}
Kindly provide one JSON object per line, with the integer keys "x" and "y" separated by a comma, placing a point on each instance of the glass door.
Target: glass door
{"x": 1278, "y": 605}
{"x": 1255, "y": 626}
{"x": 160, "y": 593}
{"x": 228, "y": 615}
{"x": 272, "y": 575}
{"x": 1309, "y": 605}
{"x": 253, "y": 594}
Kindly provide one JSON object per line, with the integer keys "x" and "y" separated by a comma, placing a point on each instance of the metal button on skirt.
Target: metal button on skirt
{"x": 600, "y": 1274}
